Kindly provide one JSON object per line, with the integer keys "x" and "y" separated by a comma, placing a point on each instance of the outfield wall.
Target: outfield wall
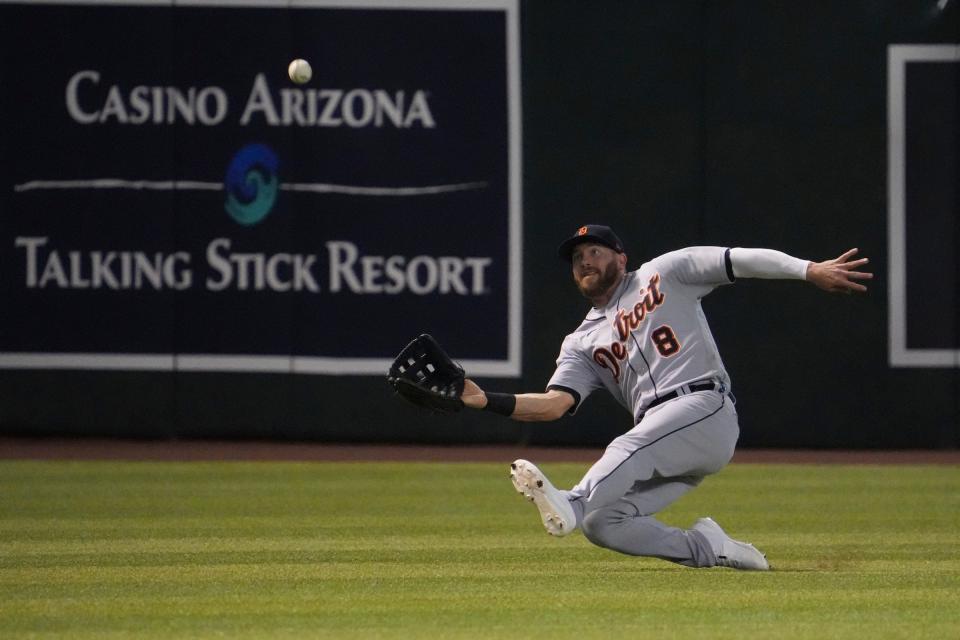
{"x": 192, "y": 246}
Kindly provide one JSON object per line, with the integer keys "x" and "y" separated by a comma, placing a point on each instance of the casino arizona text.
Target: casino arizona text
{"x": 89, "y": 103}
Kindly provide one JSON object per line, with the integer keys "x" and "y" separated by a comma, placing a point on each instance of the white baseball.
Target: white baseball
{"x": 300, "y": 71}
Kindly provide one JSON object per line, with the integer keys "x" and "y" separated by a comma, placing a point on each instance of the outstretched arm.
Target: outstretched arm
{"x": 529, "y": 407}
{"x": 839, "y": 275}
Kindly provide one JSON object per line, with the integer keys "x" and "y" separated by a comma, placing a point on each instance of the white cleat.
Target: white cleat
{"x": 731, "y": 553}
{"x": 555, "y": 510}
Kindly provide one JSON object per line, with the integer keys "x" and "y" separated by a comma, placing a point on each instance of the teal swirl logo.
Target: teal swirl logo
{"x": 252, "y": 184}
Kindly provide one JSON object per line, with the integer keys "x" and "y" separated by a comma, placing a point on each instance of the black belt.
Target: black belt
{"x": 697, "y": 386}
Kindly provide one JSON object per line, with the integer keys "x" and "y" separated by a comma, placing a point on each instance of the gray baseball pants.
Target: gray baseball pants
{"x": 665, "y": 455}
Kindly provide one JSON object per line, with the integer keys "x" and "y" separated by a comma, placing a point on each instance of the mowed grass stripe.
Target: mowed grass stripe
{"x": 410, "y": 550}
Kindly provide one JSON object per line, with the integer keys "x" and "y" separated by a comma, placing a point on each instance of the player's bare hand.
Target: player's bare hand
{"x": 840, "y": 275}
{"x": 473, "y": 396}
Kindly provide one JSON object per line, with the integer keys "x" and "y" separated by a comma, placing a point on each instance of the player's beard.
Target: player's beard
{"x": 608, "y": 278}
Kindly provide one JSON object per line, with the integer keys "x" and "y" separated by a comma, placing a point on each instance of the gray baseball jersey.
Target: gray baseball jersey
{"x": 652, "y": 337}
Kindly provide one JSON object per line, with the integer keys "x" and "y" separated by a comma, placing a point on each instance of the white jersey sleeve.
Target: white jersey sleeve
{"x": 703, "y": 268}
{"x": 575, "y": 374}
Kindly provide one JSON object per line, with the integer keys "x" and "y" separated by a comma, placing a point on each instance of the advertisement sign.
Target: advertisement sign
{"x": 171, "y": 200}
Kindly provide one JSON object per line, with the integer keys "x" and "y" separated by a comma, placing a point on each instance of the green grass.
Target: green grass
{"x": 281, "y": 550}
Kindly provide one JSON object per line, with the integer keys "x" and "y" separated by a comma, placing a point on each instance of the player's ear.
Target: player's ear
{"x": 622, "y": 260}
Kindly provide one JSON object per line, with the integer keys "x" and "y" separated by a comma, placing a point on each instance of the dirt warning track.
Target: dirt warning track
{"x": 18, "y": 448}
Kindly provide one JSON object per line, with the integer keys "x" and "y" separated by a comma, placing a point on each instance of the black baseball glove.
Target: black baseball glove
{"x": 425, "y": 375}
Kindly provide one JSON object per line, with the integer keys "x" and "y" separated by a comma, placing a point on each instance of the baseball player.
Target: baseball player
{"x": 646, "y": 341}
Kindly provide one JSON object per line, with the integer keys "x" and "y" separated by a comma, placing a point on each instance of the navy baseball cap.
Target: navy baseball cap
{"x": 590, "y": 233}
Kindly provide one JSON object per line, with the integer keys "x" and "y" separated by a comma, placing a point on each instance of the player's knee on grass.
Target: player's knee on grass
{"x": 598, "y": 525}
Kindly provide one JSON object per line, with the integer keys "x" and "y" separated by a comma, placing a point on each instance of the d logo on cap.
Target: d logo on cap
{"x": 582, "y": 231}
